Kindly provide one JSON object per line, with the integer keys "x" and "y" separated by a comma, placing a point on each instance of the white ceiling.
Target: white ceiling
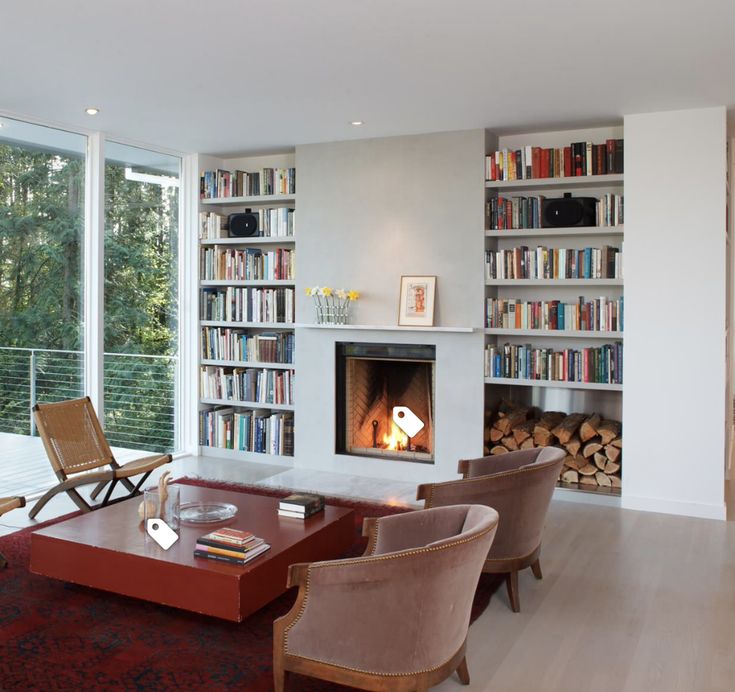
{"x": 242, "y": 75}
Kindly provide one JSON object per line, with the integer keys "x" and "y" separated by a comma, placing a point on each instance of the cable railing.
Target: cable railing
{"x": 139, "y": 392}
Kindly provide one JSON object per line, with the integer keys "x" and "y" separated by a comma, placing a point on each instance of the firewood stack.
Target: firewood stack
{"x": 594, "y": 445}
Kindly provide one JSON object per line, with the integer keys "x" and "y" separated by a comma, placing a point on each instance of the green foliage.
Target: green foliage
{"x": 41, "y": 307}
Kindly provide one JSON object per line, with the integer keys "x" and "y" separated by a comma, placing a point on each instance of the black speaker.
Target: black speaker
{"x": 242, "y": 225}
{"x": 562, "y": 212}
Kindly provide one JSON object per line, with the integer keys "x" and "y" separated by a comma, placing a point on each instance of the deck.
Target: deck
{"x": 25, "y": 469}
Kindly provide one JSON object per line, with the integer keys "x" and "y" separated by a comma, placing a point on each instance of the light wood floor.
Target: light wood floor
{"x": 630, "y": 601}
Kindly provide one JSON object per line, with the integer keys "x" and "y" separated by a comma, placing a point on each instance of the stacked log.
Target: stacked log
{"x": 593, "y": 444}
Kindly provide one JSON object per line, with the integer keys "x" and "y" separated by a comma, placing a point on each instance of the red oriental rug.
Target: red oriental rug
{"x": 58, "y": 636}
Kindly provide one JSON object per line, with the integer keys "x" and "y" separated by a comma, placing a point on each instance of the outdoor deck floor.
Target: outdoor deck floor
{"x": 25, "y": 469}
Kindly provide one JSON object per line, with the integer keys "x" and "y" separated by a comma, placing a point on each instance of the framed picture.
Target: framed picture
{"x": 416, "y": 306}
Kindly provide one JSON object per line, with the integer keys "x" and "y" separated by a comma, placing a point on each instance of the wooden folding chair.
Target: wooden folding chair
{"x": 6, "y": 504}
{"x": 80, "y": 454}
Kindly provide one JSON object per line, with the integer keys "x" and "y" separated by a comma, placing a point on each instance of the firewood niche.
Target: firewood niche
{"x": 594, "y": 445}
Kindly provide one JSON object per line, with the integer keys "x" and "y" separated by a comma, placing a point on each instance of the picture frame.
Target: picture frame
{"x": 416, "y": 303}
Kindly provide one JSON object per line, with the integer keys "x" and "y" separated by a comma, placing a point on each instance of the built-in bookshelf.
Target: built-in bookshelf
{"x": 247, "y": 367}
{"x": 554, "y": 307}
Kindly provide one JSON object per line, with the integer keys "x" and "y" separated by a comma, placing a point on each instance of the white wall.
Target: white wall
{"x": 675, "y": 284}
{"x": 367, "y": 212}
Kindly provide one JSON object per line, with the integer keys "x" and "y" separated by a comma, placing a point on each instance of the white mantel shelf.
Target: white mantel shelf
{"x": 389, "y": 328}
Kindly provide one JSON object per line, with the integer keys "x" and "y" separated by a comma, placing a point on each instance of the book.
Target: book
{"x": 229, "y": 551}
{"x": 233, "y": 560}
{"x": 254, "y": 543}
{"x": 304, "y": 503}
{"x": 234, "y": 537}
{"x": 297, "y": 515}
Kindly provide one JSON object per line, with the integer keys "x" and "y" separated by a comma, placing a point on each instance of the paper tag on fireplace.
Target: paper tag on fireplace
{"x": 161, "y": 533}
{"x": 407, "y": 420}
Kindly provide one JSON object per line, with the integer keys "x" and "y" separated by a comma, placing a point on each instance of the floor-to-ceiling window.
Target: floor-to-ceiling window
{"x": 141, "y": 249}
{"x": 45, "y": 239}
{"x": 42, "y": 183}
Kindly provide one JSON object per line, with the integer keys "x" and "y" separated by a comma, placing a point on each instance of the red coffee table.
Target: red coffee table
{"x": 108, "y": 549}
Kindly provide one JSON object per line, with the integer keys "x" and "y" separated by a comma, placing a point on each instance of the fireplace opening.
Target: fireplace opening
{"x": 385, "y": 401}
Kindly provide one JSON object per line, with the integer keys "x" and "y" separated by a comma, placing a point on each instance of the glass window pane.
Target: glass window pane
{"x": 141, "y": 260}
{"x": 41, "y": 287}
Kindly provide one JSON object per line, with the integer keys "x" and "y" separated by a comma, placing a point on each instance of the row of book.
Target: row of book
{"x": 576, "y": 159}
{"x": 598, "y": 314}
{"x": 605, "y": 262}
{"x": 258, "y": 385}
{"x": 232, "y": 546}
{"x": 267, "y": 181}
{"x": 247, "y": 430}
{"x": 603, "y": 364}
{"x": 505, "y": 213}
{"x": 226, "y": 263}
{"x": 301, "y": 505}
{"x": 273, "y": 222}
{"x": 233, "y": 304}
{"x": 223, "y": 343}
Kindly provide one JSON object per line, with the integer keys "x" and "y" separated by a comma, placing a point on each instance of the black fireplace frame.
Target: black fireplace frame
{"x": 373, "y": 351}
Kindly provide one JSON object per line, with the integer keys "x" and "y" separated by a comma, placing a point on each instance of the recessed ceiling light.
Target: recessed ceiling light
{"x": 357, "y": 123}
{"x": 91, "y": 111}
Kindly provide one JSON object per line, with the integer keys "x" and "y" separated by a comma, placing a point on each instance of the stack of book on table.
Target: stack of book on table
{"x": 230, "y": 545}
{"x": 301, "y": 505}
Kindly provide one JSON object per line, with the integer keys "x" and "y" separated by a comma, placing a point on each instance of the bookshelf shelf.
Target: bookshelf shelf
{"x": 288, "y": 326}
{"x": 213, "y": 283}
{"x": 583, "y": 181}
{"x": 555, "y": 333}
{"x": 585, "y": 231}
{"x": 555, "y": 384}
{"x": 255, "y": 241}
{"x": 247, "y": 404}
{"x": 386, "y": 328}
{"x": 257, "y": 200}
{"x": 247, "y": 364}
{"x": 553, "y": 282}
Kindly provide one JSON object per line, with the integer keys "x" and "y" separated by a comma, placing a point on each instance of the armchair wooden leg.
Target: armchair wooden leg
{"x": 463, "y": 672}
{"x": 536, "y": 569}
{"x": 279, "y": 678}
{"x": 511, "y": 581}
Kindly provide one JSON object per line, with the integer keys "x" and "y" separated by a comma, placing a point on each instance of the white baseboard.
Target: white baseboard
{"x": 686, "y": 509}
{"x": 600, "y": 499}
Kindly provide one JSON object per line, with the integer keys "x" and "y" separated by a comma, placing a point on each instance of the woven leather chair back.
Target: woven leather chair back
{"x": 72, "y": 436}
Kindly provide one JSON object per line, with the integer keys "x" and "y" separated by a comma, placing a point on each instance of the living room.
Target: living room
{"x": 305, "y": 285}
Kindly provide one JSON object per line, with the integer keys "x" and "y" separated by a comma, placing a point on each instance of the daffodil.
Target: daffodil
{"x": 341, "y": 293}
{"x": 327, "y": 292}
{"x": 309, "y": 291}
{"x": 353, "y": 295}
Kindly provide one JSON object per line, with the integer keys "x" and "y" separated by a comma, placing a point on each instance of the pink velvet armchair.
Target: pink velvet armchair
{"x": 396, "y": 618}
{"x": 519, "y": 485}
{"x": 6, "y": 504}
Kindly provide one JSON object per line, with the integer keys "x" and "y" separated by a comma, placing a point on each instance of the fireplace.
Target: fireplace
{"x": 385, "y": 401}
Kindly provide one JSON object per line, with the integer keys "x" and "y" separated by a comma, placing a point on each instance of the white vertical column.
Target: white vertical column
{"x": 187, "y": 394}
{"x": 94, "y": 271}
{"x": 674, "y": 410}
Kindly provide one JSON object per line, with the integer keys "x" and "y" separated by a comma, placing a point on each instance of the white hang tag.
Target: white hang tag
{"x": 407, "y": 420}
{"x": 161, "y": 533}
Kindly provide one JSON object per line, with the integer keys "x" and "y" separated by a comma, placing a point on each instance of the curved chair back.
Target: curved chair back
{"x": 519, "y": 485}
{"x": 402, "y": 610}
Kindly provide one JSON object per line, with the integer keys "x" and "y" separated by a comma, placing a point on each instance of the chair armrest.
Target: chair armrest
{"x": 297, "y": 574}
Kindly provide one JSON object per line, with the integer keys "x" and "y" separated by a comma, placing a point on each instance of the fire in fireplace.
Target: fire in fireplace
{"x": 385, "y": 401}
